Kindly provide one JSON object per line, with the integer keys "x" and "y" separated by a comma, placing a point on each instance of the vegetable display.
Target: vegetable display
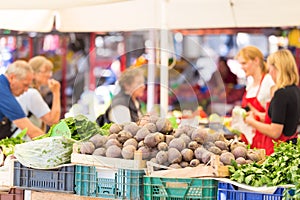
{"x": 55, "y": 147}
{"x": 159, "y": 143}
{"x": 280, "y": 168}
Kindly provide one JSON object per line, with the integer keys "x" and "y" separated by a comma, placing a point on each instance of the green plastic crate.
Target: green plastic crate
{"x": 108, "y": 183}
{"x": 161, "y": 188}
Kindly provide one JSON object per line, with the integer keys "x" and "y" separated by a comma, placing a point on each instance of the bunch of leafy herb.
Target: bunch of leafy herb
{"x": 280, "y": 168}
{"x": 283, "y": 164}
{"x": 81, "y": 128}
{"x": 251, "y": 174}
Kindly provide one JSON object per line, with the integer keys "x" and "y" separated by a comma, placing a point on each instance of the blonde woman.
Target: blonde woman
{"x": 283, "y": 114}
{"x": 32, "y": 100}
{"x": 259, "y": 84}
{"x": 258, "y": 88}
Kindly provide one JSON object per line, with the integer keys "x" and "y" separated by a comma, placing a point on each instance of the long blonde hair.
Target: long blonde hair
{"x": 287, "y": 71}
{"x": 252, "y": 52}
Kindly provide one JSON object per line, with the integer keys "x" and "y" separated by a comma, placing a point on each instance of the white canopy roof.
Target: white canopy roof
{"x": 129, "y": 15}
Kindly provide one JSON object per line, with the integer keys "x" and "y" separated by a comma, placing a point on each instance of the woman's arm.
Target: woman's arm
{"x": 53, "y": 116}
{"x": 272, "y": 130}
{"x": 32, "y": 130}
{"x": 260, "y": 115}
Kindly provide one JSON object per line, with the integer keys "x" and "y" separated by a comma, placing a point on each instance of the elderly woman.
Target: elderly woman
{"x": 125, "y": 105}
{"x": 32, "y": 100}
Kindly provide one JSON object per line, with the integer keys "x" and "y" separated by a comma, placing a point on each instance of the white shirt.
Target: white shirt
{"x": 32, "y": 101}
{"x": 120, "y": 114}
{"x": 264, "y": 93}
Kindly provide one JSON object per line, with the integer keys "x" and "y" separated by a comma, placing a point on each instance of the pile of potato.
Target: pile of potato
{"x": 159, "y": 143}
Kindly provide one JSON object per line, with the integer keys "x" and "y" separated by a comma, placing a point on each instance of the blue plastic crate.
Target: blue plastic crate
{"x": 57, "y": 180}
{"x": 163, "y": 188}
{"x": 109, "y": 183}
{"x": 227, "y": 191}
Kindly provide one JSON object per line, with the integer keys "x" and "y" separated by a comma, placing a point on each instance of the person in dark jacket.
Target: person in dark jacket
{"x": 126, "y": 105}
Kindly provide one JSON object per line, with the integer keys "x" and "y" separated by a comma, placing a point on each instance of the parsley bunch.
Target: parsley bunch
{"x": 280, "y": 168}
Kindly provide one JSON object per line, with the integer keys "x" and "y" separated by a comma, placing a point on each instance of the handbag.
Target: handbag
{"x": 5, "y": 128}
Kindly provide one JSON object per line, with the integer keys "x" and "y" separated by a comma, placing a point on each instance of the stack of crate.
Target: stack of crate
{"x": 87, "y": 177}
{"x": 58, "y": 183}
{"x": 96, "y": 177}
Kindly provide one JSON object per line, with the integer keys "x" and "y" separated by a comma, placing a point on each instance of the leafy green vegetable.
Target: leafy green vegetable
{"x": 105, "y": 129}
{"x": 280, "y": 168}
{"x": 80, "y": 128}
{"x": 8, "y": 144}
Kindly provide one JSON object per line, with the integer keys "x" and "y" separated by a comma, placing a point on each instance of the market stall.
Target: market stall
{"x": 118, "y": 171}
{"x": 144, "y": 160}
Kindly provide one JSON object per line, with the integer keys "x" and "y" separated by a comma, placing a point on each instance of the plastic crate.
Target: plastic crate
{"x": 227, "y": 191}
{"x": 108, "y": 183}
{"x": 161, "y": 188}
{"x": 12, "y": 194}
{"x": 57, "y": 180}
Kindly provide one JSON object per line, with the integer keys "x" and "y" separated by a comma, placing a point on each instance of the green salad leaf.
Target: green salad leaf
{"x": 8, "y": 144}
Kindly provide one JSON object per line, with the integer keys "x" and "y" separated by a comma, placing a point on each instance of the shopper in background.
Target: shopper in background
{"x": 226, "y": 74}
{"x": 126, "y": 106}
{"x": 223, "y": 83}
{"x": 32, "y": 100}
{"x": 283, "y": 114}
{"x": 224, "y": 89}
{"x": 14, "y": 82}
{"x": 78, "y": 69}
{"x": 258, "y": 87}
